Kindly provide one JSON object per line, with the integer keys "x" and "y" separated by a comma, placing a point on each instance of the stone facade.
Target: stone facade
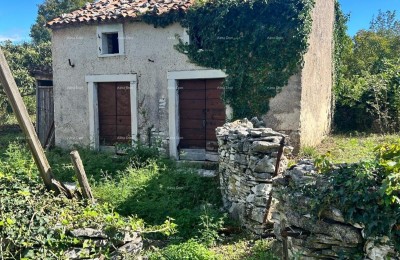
{"x": 247, "y": 161}
{"x": 327, "y": 237}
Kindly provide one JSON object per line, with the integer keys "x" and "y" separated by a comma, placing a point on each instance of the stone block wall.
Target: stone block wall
{"x": 328, "y": 236}
{"x": 247, "y": 161}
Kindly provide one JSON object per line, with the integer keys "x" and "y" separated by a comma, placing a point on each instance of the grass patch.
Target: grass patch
{"x": 158, "y": 190}
{"x": 353, "y": 147}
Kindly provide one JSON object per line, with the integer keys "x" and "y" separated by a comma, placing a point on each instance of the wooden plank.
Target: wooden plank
{"x": 192, "y": 94}
{"x": 107, "y": 99}
{"x": 194, "y": 84}
{"x": 81, "y": 175}
{"x": 191, "y": 104}
{"x": 192, "y": 124}
{"x": 192, "y": 114}
{"x": 123, "y": 99}
{"x": 192, "y": 144}
{"x": 18, "y": 106}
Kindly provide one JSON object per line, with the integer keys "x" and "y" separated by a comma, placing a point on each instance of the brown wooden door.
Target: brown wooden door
{"x": 114, "y": 113}
{"x": 215, "y": 112}
{"x": 201, "y": 110}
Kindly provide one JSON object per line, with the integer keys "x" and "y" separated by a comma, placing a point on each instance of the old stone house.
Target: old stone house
{"x": 117, "y": 78}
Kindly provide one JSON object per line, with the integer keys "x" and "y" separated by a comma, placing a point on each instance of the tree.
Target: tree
{"x": 385, "y": 24}
{"x": 49, "y": 10}
{"x": 367, "y": 89}
{"x": 23, "y": 60}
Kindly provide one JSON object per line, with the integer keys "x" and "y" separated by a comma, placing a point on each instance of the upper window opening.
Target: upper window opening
{"x": 110, "y": 40}
{"x": 110, "y": 43}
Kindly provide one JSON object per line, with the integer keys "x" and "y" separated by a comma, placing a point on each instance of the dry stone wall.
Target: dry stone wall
{"x": 247, "y": 161}
{"x": 328, "y": 236}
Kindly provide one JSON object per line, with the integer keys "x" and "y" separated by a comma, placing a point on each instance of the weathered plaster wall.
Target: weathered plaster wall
{"x": 303, "y": 108}
{"x": 316, "y": 77}
{"x": 149, "y": 52}
{"x": 284, "y": 111}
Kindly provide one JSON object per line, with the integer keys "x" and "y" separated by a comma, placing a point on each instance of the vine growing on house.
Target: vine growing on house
{"x": 259, "y": 44}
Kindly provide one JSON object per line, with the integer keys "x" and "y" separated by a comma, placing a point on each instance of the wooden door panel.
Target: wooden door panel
{"x": 192, "y": 94}
{"x": 108, "y": 130}
{"x": 123, "y": 130}
{"x": 196, "y": 84}
{"x": 192, "y": 104}
{"x": 192, "y": 134}
{"x": 124, "y": 120}
{"x": 114, "y": 113}
{"x": 107, "y": 120}
{"x": 192, "y": 144}
{"x": 192, "y": 114}
{"x": 123, "y": 99}
{"x": 215, "y": 112}
{"x": 193, "y": 124}
{"x": 106, "y": 98}
{"x": 215, "y": 104}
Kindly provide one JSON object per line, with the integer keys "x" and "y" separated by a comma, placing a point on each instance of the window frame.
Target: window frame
{"x": 104, "y": 29}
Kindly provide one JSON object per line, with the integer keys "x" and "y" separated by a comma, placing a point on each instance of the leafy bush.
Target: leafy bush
{"x": 367, "y": 85}
{"x": 190, "y": 250}
{"x": 210, "y": 227}
{"x": 36, "y": 224}
{"x": 373, "y": 102}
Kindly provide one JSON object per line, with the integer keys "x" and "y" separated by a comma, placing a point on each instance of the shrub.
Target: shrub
{"x": 36, "y": 224}
{"x": 190, "y": 250}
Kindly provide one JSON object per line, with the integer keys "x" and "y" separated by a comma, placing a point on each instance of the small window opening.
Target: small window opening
{"x": 110, "y": 43}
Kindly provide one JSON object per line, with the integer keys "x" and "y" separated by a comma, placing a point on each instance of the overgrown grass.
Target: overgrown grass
{"x": 352, "y": 148}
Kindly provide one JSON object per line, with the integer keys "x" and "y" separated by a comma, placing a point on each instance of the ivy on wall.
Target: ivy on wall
{"x": 260, "y": 44}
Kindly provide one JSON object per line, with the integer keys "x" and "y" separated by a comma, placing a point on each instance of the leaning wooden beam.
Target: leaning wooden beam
{"x": 11, "y": 90}
{"x": 80, "y": 173}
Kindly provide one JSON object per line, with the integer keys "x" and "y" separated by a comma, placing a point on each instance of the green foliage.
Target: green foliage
{"x": 353, "y": 147}
{"x": 366, "y": 192}
{"x": 367, "y": 86}
{"x": 323, "y": 163}
{"x": 259, "y": 44}
{"x": 307, "y": 152}
{"x": 23, "y": 60}
{"x": 47, "y": 11}
{"x": 139, "y": 153}
{"x": 97, "y": 165}
{"x": 210, "y": 227}
{"x": 190, "y": 250}
{"x": 36, "y": 224}
{"x": 159, "y": 190}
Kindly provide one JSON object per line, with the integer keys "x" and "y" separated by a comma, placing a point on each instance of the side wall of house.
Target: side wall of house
{"x": 284, "y": 111}
{"x": 303, "y": 108}
{"x": 316, "y": 77}
{"x": 149, "y": 53}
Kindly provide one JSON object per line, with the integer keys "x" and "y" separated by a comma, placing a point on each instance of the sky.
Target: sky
{"x": 17, "y": 16}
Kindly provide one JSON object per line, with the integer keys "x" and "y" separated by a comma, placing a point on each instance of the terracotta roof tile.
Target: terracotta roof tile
{"x": 104, "y": 10}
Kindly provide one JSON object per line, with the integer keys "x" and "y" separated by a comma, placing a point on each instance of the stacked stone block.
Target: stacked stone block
{"x": 247, "y": 161}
